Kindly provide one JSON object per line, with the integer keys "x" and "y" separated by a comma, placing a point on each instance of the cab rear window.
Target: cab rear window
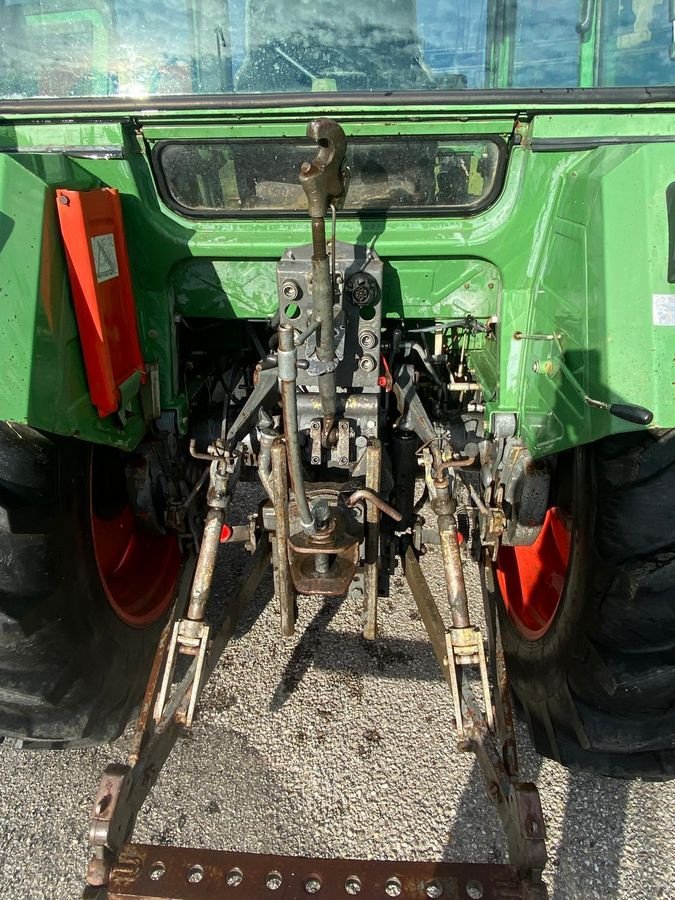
{"x": 400, "y": 175}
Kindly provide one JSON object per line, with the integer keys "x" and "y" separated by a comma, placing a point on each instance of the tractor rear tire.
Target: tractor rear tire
{"x": 72, "y": 670}
{"x": 594, "y": 675}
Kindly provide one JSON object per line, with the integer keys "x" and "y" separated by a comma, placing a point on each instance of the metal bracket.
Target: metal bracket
{"x": 465, "y": 648}
{"x": 123, "y": 789}
{"x": 517, "y": 803}
{"x": 192, "y": 639}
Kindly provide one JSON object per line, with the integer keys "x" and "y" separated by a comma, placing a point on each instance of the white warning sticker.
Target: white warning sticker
{"x": 663, "y": 309}
{"x": 105, "y": 257}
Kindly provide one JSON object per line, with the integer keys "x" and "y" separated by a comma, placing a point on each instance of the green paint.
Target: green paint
{"x": 577, "y": 243}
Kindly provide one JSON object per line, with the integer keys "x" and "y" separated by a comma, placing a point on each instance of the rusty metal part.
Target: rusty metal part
{"x": 325, "y": 180}
{"x": 340, "y": 542}
{"x": 492, "y": 522}
{"x": 282, "y": 572}
{"x": 455, "y": 464}
{"x": 177, "y": 873}
{"x": 444, "y": 507}
{"x": 517, "y": 803}
{"x": 371, "y": 562}
{"x": 290, "y": 410}
{"x": 341, "y": 452}
{"x": 315, "y": 438}
{"x": 370, "y": 497}
{"x": 465, "y": 648}
{"x": 123, "y": 789}
{"x": 192, "y": 639}
{"x": 267, "y": 434}
{"x": 502, "y": 694}
{"x": 201, "y": 587}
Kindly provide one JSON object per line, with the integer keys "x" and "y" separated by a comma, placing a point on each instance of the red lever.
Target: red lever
{"x": 225, "y": 533}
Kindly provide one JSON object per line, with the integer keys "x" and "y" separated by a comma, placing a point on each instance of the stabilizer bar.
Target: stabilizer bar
{"x": 173, "y": 873}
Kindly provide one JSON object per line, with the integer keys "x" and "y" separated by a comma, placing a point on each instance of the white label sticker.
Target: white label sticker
{"x": 663, "y": 309}
{"x": 105, "y": 258}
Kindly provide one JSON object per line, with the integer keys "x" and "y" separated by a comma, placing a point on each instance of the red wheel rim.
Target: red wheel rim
{"x": 138, "y": 570}
{"x": 532, "y": 579}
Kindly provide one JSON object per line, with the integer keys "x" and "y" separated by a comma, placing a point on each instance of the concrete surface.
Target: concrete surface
{"x": 325, "y": 745}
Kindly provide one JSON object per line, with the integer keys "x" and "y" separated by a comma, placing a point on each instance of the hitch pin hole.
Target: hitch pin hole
{"x": 234, "y": 878}
{"x": 393, "y": 887}
{"x": 157, "y": 869}
{"x": 195, "y": 874}
{"x": 273, "y": 881}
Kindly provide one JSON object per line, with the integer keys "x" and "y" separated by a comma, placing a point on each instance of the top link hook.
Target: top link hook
{"x": 325, "y": 180}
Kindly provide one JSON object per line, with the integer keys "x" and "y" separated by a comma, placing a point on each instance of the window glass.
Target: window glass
{"x": 546, "y": 45}
{"x": 225, "y": 177}
{"x": 129, "y": 48}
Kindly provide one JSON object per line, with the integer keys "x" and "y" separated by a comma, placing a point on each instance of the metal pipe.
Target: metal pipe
{"x": 289, "y": 404}
{"x": 444, "y": 508}
{"x": 201, "y": 586}
{"x": 322, "y": 563}
{"x": 372, "y": 542}
{"x": 284, "y": 582}
{"x": 371, "y": 497}
{"x": 454, "y": 574}
{"x": 322, "y": 312}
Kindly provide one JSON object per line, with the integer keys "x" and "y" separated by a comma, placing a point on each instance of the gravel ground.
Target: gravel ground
{"x": 325, "y": 745}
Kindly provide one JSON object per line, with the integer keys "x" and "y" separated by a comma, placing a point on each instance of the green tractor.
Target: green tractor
{"x": 374, "y": 258}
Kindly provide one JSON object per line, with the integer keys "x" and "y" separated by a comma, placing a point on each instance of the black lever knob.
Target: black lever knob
{"x": 638, "y": 415}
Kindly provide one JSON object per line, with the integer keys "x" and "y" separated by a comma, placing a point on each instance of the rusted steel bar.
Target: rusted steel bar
{"x": 123, "y": 789}
{"x": 517, "y": 803}
{"x": 152, "y": 688}
{"x": 370, "y": 496}
{"x": 444, "y": 507}
{"x": 206, "y": 564}
{"x": 284, "y": 583}
{"x": 371, "y": 565}
{"x": 289, "y": 404}
{"x": 176, "y": 873}
{"x": 503, "y": 706}
{"x": 431, "y": 618}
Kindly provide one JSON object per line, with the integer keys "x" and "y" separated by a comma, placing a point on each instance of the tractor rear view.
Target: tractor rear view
{"x": 410, "y": 268}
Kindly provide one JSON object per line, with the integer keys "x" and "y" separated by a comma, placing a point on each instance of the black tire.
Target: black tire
{"x": 598, "y": 688}
{"x": 71, "y": 672}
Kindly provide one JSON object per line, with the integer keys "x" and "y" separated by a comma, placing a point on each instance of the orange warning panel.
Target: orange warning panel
{"x": 98, "y": 265}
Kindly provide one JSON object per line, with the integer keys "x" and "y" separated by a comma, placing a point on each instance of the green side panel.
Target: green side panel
{"x": 416, "y": 289}
{"x": 44, "y": 381}
{"x": 229, "y": 289}
{"x": 441, "y": 289}
{"x": 601, "y": 272}
{"x": 576, "y": 245}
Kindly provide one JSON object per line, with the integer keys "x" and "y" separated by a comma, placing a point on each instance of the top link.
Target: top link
{"x": 325, "y": 180}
